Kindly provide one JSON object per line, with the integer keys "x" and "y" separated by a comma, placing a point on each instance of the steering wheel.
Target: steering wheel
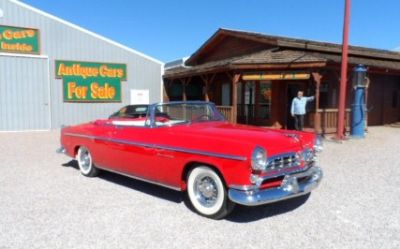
{"x": 203, "y": 117}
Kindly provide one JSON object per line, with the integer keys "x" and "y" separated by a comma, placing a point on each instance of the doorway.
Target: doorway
{"x": 291, "y": 92}
{"x": 24, "y": 93}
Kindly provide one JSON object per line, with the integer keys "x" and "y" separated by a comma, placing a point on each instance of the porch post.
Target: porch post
{"x": 235, "y": 80}
{"x": 207, "y": 81}
{"x": 206, "y": 97}
{"x": 184, "y": 82}
{"x": 184, "y": 97}
{"x": 243, "y": 104}
{"x": 317, "y": 117}
{"x": 166, "y": 86}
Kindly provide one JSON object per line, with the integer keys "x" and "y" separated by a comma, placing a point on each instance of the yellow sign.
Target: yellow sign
{"x": 19, "y": 40}
{"x": 277, "y": 76}
{"x": 91, "y": 81}
{"x": 91, "y": 70}
{"x": 97, "y": 92}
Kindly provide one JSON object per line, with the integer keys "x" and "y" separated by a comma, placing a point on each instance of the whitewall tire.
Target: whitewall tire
{"x": 207, "y": 193}
{"x": 85, "y": 162}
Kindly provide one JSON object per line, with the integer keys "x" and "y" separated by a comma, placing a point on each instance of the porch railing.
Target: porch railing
{"x": 329, "y": 120}
{"x": 227, "y": 112}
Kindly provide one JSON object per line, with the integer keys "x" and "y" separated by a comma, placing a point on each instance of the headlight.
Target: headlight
{"x": 309, "y": 155}
{"x": 259, "y": 158}
{"x": 318, "y": 145}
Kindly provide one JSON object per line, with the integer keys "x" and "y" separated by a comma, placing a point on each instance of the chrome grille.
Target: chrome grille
{"x": 283, "y": 161}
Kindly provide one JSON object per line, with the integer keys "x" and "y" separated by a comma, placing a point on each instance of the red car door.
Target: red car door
{"x": 169, "y": 159}
{"x": 135, "y": 153}
{"x": 144, "y": 152}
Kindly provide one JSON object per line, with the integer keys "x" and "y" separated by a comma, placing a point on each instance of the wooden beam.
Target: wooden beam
{"x": 195, "y": 72}
{"x": 229, "y": 67}
{"x": 279, "y": 66}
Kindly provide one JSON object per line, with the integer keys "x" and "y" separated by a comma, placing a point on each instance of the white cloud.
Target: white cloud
{"x": 397, "y": 49}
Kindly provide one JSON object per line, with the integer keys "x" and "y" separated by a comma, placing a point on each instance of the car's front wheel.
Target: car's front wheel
{"x": 85, "y": 162}
{"x": 207, "y": 193}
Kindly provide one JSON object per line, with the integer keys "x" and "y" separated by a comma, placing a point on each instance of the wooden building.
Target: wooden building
{"x": 253, "y": 78}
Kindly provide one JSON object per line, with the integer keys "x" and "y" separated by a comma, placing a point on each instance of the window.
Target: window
{"x": 265, "y": 97}
{"x": 226, "y": 94}
{"x": 175, "y": 92}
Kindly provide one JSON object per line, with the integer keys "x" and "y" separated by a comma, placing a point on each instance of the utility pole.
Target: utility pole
{"x": 343, "y": 74}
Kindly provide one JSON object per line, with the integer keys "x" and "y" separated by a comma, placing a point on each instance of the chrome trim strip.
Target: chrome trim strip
{"x": 163, "y": 147}
{"x": 78, "y": 135}
{"x": 287, "y": 171}
{"x": 201, "y": 152}
{"x": 140, "y": 178}
{"x": 244, "y": 187}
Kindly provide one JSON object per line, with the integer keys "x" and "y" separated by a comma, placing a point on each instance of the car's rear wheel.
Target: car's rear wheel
{"x": 85, "y": 162}
{"x": 207, "y": 193}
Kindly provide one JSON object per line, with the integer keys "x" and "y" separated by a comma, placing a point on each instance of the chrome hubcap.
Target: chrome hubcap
{"x": 84, "y": 159}
{"x": 206, "y": 191}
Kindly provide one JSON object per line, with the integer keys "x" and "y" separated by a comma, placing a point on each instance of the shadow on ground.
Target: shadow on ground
{"x": 241, "y": 214}
{"x": 144, "y": 187}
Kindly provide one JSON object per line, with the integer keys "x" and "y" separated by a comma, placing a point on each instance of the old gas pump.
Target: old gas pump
{"x": 360, "y": 83}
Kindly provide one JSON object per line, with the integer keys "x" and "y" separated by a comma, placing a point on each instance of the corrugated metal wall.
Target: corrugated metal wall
{"x": 60, "y": 41}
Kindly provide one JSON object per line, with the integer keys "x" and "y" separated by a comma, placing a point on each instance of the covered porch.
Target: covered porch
{"x": 262, "y": 98}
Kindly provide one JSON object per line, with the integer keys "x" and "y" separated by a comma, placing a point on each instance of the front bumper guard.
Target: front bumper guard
{"x": 61, "y": 150}
{"x": 292, "y": 186}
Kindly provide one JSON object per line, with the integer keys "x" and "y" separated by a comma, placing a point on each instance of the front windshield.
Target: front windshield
{"x": 168, "y": 114}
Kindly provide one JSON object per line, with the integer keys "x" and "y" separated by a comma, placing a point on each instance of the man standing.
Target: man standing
{"x": 298, "y": 109}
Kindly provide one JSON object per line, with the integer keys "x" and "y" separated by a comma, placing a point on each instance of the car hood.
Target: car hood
{"x": 275, "y": 141}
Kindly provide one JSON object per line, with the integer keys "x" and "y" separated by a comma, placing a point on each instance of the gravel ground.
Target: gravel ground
{"x": 46, "y": 203}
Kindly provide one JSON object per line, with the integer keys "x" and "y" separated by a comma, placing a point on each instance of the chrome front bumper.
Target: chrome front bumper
{"x": 292, "y": 186}
{"x": 61, "y": 150}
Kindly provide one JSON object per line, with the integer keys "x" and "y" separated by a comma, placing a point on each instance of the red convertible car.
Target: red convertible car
{"x": 190, "y": 147}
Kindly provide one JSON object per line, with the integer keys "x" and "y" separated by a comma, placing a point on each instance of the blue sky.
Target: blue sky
{"x": 172, "y": 29}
